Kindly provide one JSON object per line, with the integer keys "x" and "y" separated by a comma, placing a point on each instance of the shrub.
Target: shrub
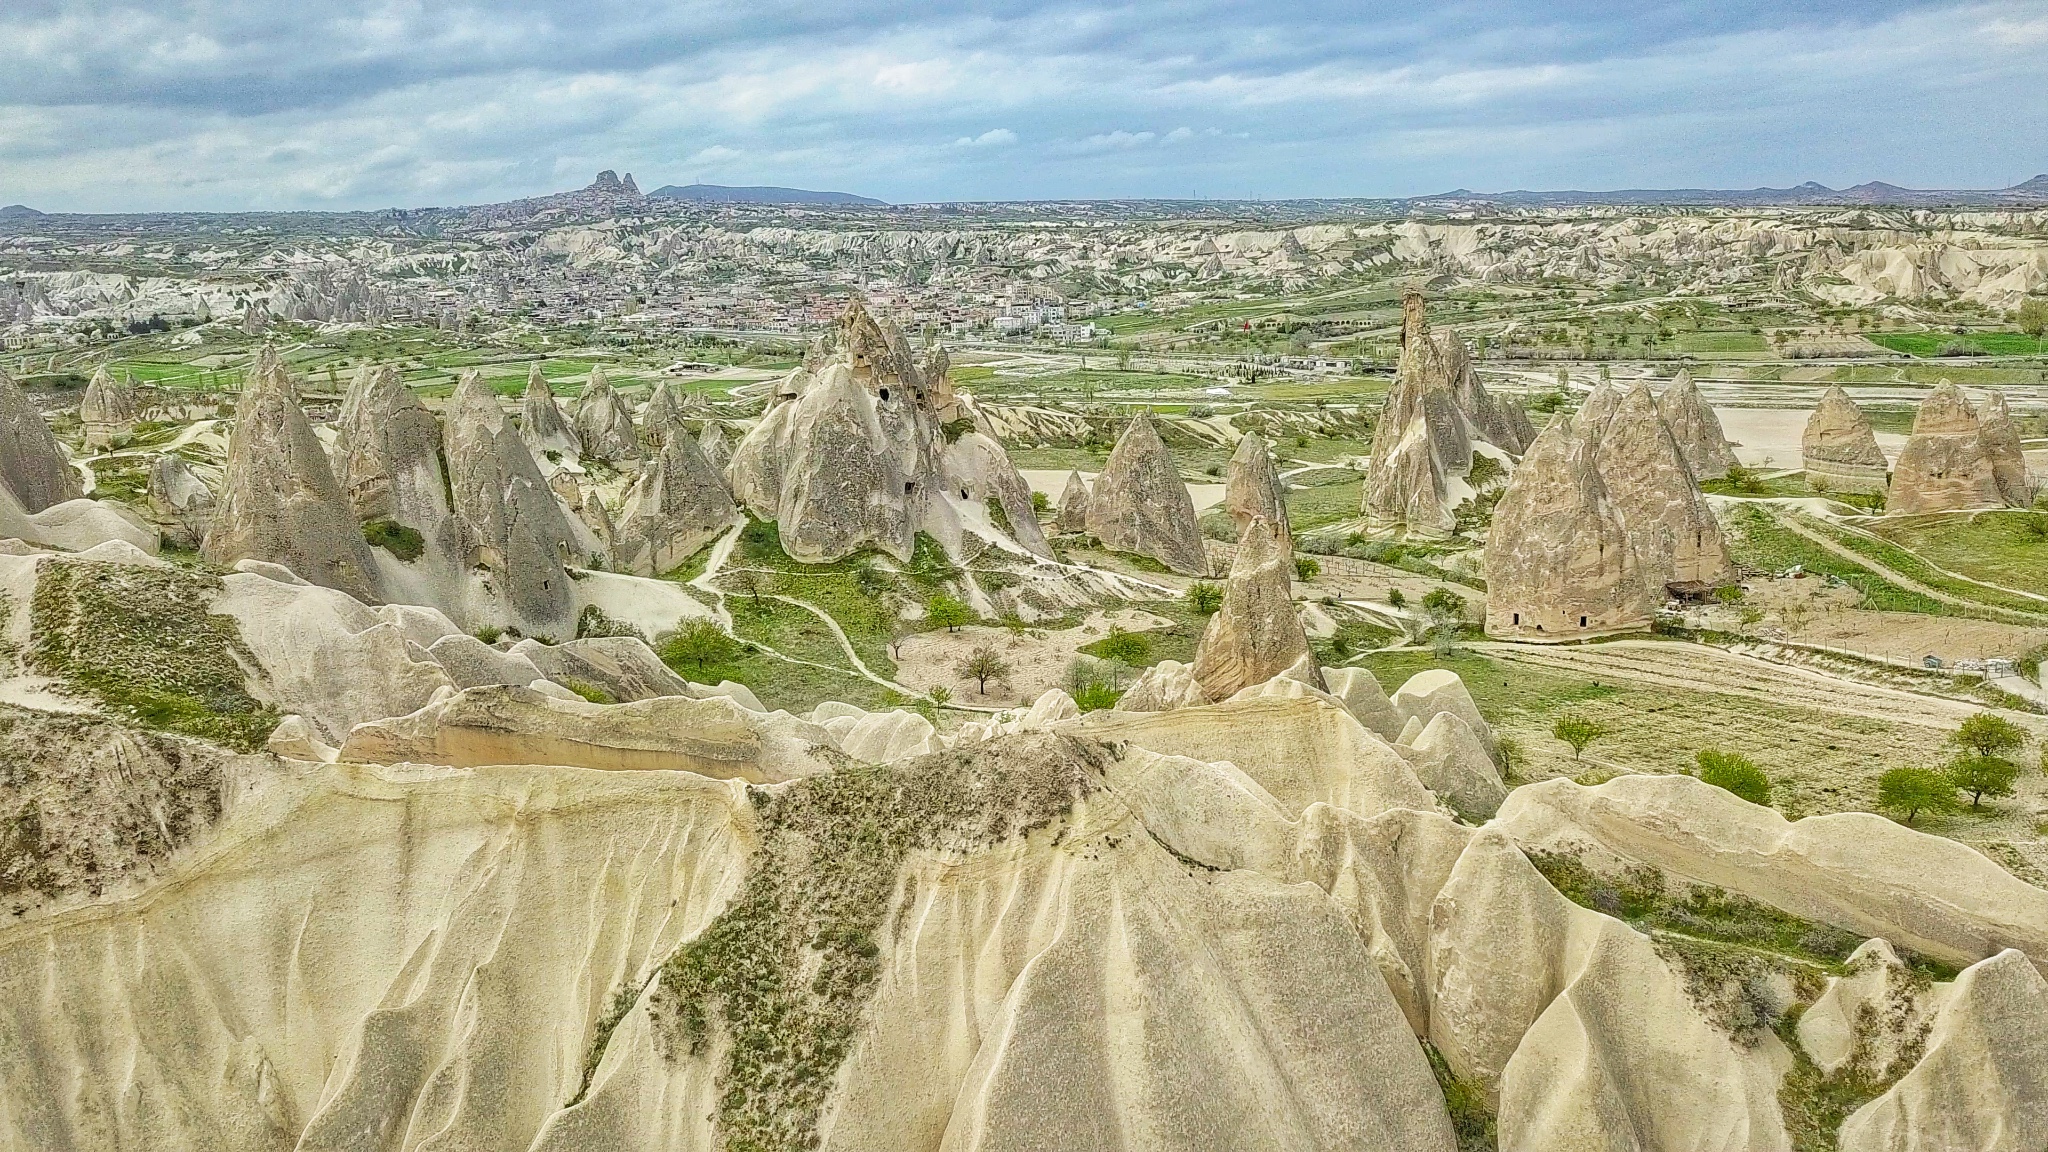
{"x": 1307, "y": 568}
{"x": 1204, "y": 597}
{"x": 1396, "y": 597}
{"x": 1734, "y": 772}
{"x": 489, "y": 633}
{"x": 1040, "y": 502}
{"x": 594, "y": 622}
{"x": 403, "y": 542}
{"x": 1443, "y": 601}
{"x": 589, "y": 691}
{"x": 943, "y": 611}
{"x": 1131, "y": 648}
{"x": 1577, "y": 731}
{"x": 698, "y": 644}
{"x": 1915, "y": 790}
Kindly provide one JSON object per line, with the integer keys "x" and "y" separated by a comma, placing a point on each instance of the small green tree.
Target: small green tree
{"x": 1307, "y": 568}
{"x": 698, "y": 644}
{"x": 1577, "y": 731}
{"x": 1983, "y": 776}
{"x": 2033, "y": 318}
{"x": 983, "y": 665}
{"x": 1133, "y": 648}
{"x": 939, "y": 694}
{"x": 1915, "y": 790}
{"x": 1396, "y": 597}
{"x": 1205, "y": 598}
{"x": 1041, "y": 503}
{"x": 943, "y": 611}
{"x": 1735, "y": 773}
{"x": 1988, "y": 734}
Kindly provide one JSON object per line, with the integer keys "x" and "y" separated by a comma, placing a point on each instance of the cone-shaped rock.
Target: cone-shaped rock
{"x": 1252, "y": 489}
{"x": 716, "y": 448}
{"x": 604, "y": 424}
{"x": 108, "y": 409}
{"x": 179, "y": 502}
{"x": 1696, "y": 429}
{"x": 1944, "y": 467}
{"x": 1140, "y": 505}
{"x": 279, "y": 501}
{"x": 1839, "y": 446}
{"x": 32, "y": 463}
{"x": 1501, "y": 423}
{"x": 512, "y": 526}
{"x": 1073, "y": 515}
{"x": 2002, "y": 446}
{"x": 837, "y": 460}
{"x": 541, "y": 422}
{"x": 1559, "y": 564}
{"x": 1675, "y": 534}
{"x": 389, "y": 448}
{"x": 1423, "y": 440}
{"x": 664, "y": 412}
{"x": 1257, "y": 634}
{"x": 979, "y": 472}
{"x": 1598, "y": 409}
{"x": 678, "y": 505}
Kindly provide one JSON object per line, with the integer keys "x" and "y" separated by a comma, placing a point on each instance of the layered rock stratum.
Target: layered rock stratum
{"x": 1839, "y": 446}
{"x": 1946, "y": 466}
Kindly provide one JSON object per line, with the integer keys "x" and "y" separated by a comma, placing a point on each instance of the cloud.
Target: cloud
{"x": 993, "y": 138}
{"x": 218, "y": 104}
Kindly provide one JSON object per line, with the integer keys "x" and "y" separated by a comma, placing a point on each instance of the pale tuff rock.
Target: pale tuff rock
{"x": 841, "y": 487}
{"x": 497, "y": 724}
{"x": 389, "y": 446}
{"x": 1983, "y": 1083}
{"x": 1944, "y": 467}
{"x": 716, "y": 448}
{"x": 1256, "y": 634}
{"x": 1839, "y": 447}
{"x": 979, "y": 472}
{"x": 604, "y": 424}
{"x": 1453, "y": 762}
{"x": 597, "y": 518}
{"x": 663, "y": 414}
{"x": 1362, "y": 696}
{"x": 1559, "y": 562}
{"x": 33, "y": 467}
{"x": 1423, "y": 442}
{"x": 678, "y": 505}
{"x": 1880, "y": 990}
{"x": 1696, "y": 429}
{"x": 1598, "y": 408}
{"x": 1252, "y": 488}
{"x": 1163, "y": 687}
{"x": 1425, "y": 695}
{"x": 108, "y": 409}
{"x": 541, "y": 423}
{"x": 179, "y": 502}
{"x": 512, "y": 526}
{"x": 471, "y": 663}
{"x": 77, "y": 525}
{"x": 279, "y": 500}
{"x": 1073, "y": 514}
{"x": 1139, "y": 503}
{"x": 2002, "y": 445}
{"x": 1675, "y": 535}
{"x": 877, "y": 737}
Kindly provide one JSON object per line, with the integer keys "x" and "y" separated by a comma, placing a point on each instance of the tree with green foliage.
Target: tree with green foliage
{"x": 1307, "y": 568}
{"x": 1983, "y": 776}
{"x": 698, "y": 644}
{"x": 1132, "y": 648}
{"x": 1396, "y": 597}
{"x": 1444, "y": 601}
{"x": 1577, "y": 731}
{"x": 983, "y": 665}
{"x": 2033, "y": 318}
{"x": 944, "y": 611}
{"x": 1736, "y": 773}
{"x": 1041, "y": 503}
{"x": 1988, "y": 734}
{"x": 1205, "y": 598}
{"x": 1915, "y": 790}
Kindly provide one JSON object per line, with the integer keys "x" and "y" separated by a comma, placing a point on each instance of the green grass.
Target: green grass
{"x": 1723, "y": 343}
{"x": 1928, "y": 344}
{"x": 1758, "y": 540}
{"x": 1905, "y": 563}
{"x": 1990, "y": 546}
{"x": 1311, "y": 508}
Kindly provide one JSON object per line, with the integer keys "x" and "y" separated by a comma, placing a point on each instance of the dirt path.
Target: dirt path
{"x": 1792, "y": 524}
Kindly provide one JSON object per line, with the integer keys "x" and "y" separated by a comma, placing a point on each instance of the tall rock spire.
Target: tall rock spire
{"x": 1140, "y": 504}
{"x": 1696, "y": 429}
{"x": 1559, "y": 563}
{"x": 1256, "y": 634}
{"x": 1674, "y": 532}
{"x": 541, "y": 423}
{"x": 32, "y": 463}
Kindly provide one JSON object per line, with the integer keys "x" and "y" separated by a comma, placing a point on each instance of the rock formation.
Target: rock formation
{"x": 1696, "y": 429}
{"x": 389, "y": 450}
{"x": 1839, "y": 447}
{"x": 716, "y": 448}
{"x": 513, "y": 528}
{"x": 1648, "y": 482}
{"x": 866, "y": 446}
{"x": 1944, "y": 467}
{"x": 1257, "y": 634}
{"x": 1422, "y": 446}
{"x": 541, "y": 423}
{"x": 1073, "y": 514}
{"x": 1597, "y": 409}
{"x": 108, "y": 409}
{"x": 33, "y": 466}
{"x": 179, "y": 502}
{"x": 663, "y": 413}
{"x": 1559, "y": 562}
{"x": 679, "y": 504}
{"x": 1252, "y": 488}
{"x": 2002, "y": 445}
{"x": 1139, "y": 503}
{"x": 604, "y": 424}
{"x": 279, "y": 501}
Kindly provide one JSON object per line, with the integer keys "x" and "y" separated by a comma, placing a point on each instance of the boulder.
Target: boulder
{"x": 679, "y": 504}
{"x": 604, "y": 424}
{"x": 1163, "y": 687}
{"x": 1839, "y": 447}
{"x": 1666, "y": 517}
{"x": 541, "y": 422}
{"x": 33, "y": 467}
{"x": 1073, "y": 516}
{"x": 512, "y": 527}
{"x": 108, "y": 408}
{"x": 1695, "y": 428}
{"x": 1453, "y": 762}
{"x": 279, "y": 500}
{"x": 1252, "y": 488}
{"x": 2002, "y": 446}
{"x": 1257, "y": 634}
{"x": 1559, "y": 562}
{"x": 1944, "y": 467}
{"x": 1139, "y": 503}
{"x": 179, "y": 502}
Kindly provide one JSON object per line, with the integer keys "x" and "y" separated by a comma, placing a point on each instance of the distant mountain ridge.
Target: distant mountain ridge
{"x": 1875, "y": 193}
{"x": 766, "y": 194}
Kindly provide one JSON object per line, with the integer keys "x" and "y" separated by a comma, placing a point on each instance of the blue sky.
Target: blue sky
{"x": 230, "y": 104}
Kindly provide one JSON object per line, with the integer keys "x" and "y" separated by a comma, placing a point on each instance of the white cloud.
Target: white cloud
{"x": 993, "y": 138}
{"x": 1118, "y": 139}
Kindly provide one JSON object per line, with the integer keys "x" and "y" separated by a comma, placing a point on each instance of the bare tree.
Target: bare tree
{"x": 983, "y": 665}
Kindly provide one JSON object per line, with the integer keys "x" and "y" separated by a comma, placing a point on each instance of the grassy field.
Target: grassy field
{"x": 1310, "y": 508}
{"x": 1927, "y": 344}
{"x": 1758, "y": 540}
{"x": 1993, "y": 546}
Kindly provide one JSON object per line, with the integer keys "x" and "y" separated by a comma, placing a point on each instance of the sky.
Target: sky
{"x": 127, "y": 105}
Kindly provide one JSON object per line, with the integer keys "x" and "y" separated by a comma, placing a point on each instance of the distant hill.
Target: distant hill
{"x": 12, "y": 211}
{"x": 1876, "y": 193}
{"x": 720, "y": 194}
